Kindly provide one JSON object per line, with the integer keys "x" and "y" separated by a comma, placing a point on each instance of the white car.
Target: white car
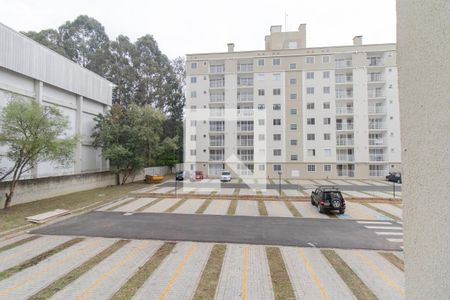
{"x": 226, "y": 176}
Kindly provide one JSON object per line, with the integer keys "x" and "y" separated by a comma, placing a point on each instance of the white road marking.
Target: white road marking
{"x": 374, "y": 222}
{"x": 384, "y": 227}
{"x": 395, "y": 240}
{"x": 388, "y": 233}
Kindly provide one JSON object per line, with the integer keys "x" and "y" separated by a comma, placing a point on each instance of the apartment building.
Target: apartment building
{"x": 293, "y": 111}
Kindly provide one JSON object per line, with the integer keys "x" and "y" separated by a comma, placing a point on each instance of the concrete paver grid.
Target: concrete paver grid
{"x": 178, "y": 275}
{"x": 162, "y": 205}
{"x": 359, "y": 211}
{"x": 378, "y": 194}
{"x": 270, "y": 192}
{"x": 303, "y": 182}
{"x": 5, "y": 241}
{"x": 134, "y": 205}
{"x": 245, "y": 274}
{"x": 384, "y": 279}
{"x": 247, "y": 208}
{"x": 205, "y": 191}
{"x": 190, "y": 206}
{"x": 323, "y": 182}
{"x": 389, "y": 208}
{"x": 377, "y": 182}
{"x": 339, "y": 182}
{"x": 356, "y": 194}
{"x": 115, "y": 203}
{"x": 312, "y": 276}
{"x": 217, "y": 207}
{"x": 277, "y": 208}
{"x": 145, "y": 190}
{"x": 163, "y": 190}
{"x": 31, "y": 280}
{"x": 309, "y": 211}
{"x": 247, "y": 192}
{"x": 293, "y": 193}
{"x": 355, "y": 182}
{"x": 226, "y": 191}
{"x": 19, "y": 254}
{"x": 102, "y": 281}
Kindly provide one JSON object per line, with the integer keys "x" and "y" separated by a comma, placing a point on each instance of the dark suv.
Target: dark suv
{"x": 394, "y": 177}
{"x": 327, "y": 199}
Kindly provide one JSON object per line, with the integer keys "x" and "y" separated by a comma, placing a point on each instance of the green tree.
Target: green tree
{"x": 50, "y": 38}
{"x": 33, "y": 133}
{"x": 127, "y": 136}
{"x": 166, "y": 152}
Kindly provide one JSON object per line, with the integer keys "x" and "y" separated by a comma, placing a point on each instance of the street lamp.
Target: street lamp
{"x": 279, "y": 184}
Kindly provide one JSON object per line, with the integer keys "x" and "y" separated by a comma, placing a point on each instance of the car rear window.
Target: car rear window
{"x": 333, "y": 195}
{"x": 225, "y": 173}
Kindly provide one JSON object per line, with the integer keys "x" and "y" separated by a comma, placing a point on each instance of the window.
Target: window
{"x": 310, "y": 90}
{"x": 310, "y": 105}
{"x": 193, "y": 137}
{"x": 261, "y": 167}
{"x": 193, "y": 123}
{"x": 311, "y": 152}
{"x": 327, "y": 152}
{"x": 293, "y": 81}
{"x": 293, "y": 142}
{"x": 193, "y": 79}
{"x": 276, "y": 121}
{"x": 292, "y": 45}
{"x": 294, "y": 157}
{"x": 260, "y": 62}
{"x": 293, "y": 96}
{"x": 326, "y": 136}
{"x": 310, "y": 59}
{"x": 326, "y": 121}
{"x": 194, "y": 65}
{"x": 277, "y": 137}
{"x": 260, "y": 76}
{"x": 326, "y": 74}
{"x": 327, "y": 168}
{"x": 325, "y": 59}
{"x": 309, "y": 75}
{"x": 277, "y": 167}
{"x": 326, "y": 105}
{"x": 310, "y": 136}
{"x": 277, "y": 107}
{"x": 261, "y": 122}
{"x": 293, "y": 66}
{"x": 293, "y": 126}
{"x": 261, "y": 106}
{"x": 276, "y": 62}
{"x": 193, "y": 152}
{"x": 276, "y": 152}
{"x": 277, "y": 76}
{"x": 193, "y": 94}
{"x": 261, "y": 137}
{"x": 293, "y": 111}
{"x": 326, "y": 89}
{"x": 276, "y": 92}
{"x": 311, "y": 121}
{"x": 311, "y": 168}
{"x": 261, "y": 92}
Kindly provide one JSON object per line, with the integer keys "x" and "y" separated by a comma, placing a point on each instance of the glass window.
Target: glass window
{"x": 293, "y": 126}
{"x": 326, "y": 74}
{"x": 327, "y": 168}
{"x": 309, "y": 75}
{"x": 293, "y": 81}
{"x": 326, "y": 105}
{"x": 326, "y": 136}
{"x": 310, "y": 136}
{"x": 276, "y": 121}
{"x": 276, "y": 92}
{"x": 325, "y": 59}
{"x": 292, "y": 66}
{"x": 277, "y": 106}
{"x": 311, "y": 168}
{"x": 261, "y": 62}
{"x": 293, "y": 111}
{"x": 293, "y": 96}
{"x": 293, "y": 142}
{"x": 310, "y": 105}
{"x": 311, "y": 121}
{"x": 194, "y": 65}
{"x": 277, "y": 137}
{"x": 261, "y": 92}
{"x": 276, "y": 152}
{"x": 276, "y": 62}
{"x": 310, "y": 90}
{"x": 326, "y": 89}
{"x": 193, "y": 79}
{"x": 277, "y": 167}
{"x": 310, "y": 59}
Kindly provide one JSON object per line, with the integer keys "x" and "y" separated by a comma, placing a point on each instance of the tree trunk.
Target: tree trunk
{"x": 9, "y": 195}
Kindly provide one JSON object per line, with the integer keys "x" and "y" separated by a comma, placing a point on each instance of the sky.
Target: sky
{"x": 197, "y": 26}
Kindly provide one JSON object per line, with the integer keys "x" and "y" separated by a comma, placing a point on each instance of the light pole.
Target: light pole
{"x": 279, "y": 184}
{"x": 393, "y": 188}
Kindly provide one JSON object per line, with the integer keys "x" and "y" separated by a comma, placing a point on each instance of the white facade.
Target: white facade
{"x": 34, "y": 71}
{"x": 328, "y": 112}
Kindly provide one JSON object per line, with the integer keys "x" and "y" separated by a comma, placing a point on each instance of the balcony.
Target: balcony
{"x": 246, "y": 157}
{"x": 216, "y": 157}
{"x": 344, "y": 110}
{"x": 217, "y": 69}
{"x": 217, "y": 113}
{"x": 344, "y": 142}
{"x": 377, "y": 126}
{"x": 375, "y": 61}
{"x": 345, "y": 157}
{"x": 344, "y": 126}
{"x": 348, "y": 173}
{"x": 245, "y": 97}
{"x": 375, "y": 77}
{"x": 377, "y": 109}
{"x": 216, "y": 98}
{"x": 376, "y": 142}
{"x": 245, "y": 112}
{"x": 343, "y": 78}
{"x": 245, "y": 68}
{"x": 217, "y": 83}
{"x": 340, "y": 94}
{"x": 377, "y": 173}
{"x": 377, "y": 93}
{"x": 245, "y": 82}
{"x": 376, "y": 157}
{"x": 216, "y": 143}
{"x": 343, "y": 63}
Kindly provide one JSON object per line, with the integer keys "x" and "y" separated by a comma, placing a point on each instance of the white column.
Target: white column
{"x": 78, "y": 120}
{"x": 38, "y": 94}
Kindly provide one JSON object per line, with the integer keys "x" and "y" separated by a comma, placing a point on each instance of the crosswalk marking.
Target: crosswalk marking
{"x": 374, "y": 222}
{"x": 388, "y": 233}
{"x": 383, "y": 227}
{"x": 395, "y": 240}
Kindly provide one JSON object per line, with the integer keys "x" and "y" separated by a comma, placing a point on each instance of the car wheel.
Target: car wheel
{"x": 342, "y": 211}
{"x": 312, "y": 202}
{"x": 321, "y": 209}
{"x": 399, "y": 181}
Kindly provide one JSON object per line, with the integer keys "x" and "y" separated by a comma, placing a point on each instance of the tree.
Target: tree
{"x": 166, "y": 152}
{"x": 50, "y": 38}
{"x": 127, "y": 136}
{"x": 33, "y": 133}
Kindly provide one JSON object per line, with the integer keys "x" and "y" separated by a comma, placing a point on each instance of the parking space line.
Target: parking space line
{"x": 374, "y": 222}
{"x": 388, "y": 233}
{"x": 313, "y": 275}
{"x": 384, "y": 227}
{"x": 395, "y": 240}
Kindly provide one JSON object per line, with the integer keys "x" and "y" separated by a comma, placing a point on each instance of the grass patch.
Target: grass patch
{"x": 175, "y": 206}
{"x": 294, "y": 211}
{"x": 37, "y": 259}
{"x": 204, "y": 206}
{"x": 282, "y": 287}
{"x": 73, "y": 275}
{"x": 356, "y": 285}
{"x": 236, "y": 191}
{"x": 259, "y": 192}
{"x": 232, "y": 208}
{"x": 14, "y": 216}
{"x": 149, "y": 205}
{"x": 18, "y": 243}
{"x": 382, "y": 211}
{"x": 207, "y": 286}
{"x": 287, "y": 181}
{"x": 129, "y": 289}
{"x": 262, "y": 208}
{"x": 394, "y": 259}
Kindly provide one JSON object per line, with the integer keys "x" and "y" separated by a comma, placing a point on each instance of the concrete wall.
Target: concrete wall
{"x": 424, "y": 76}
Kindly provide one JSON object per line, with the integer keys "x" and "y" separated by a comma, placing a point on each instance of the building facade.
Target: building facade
{"x": 31, "y": 70}
{"x": 293, "y": 111}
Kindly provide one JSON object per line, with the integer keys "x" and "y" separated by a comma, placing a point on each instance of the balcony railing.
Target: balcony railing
{"x": 343, "y": 79}
{"x": 245, "y": 128}
{"x": 375, "y": 61}
{"x": 374, "y": 77}
{"x": 344, "y": 94}
{"x": 345, "y": 142}
{"x": 348, "y": 173}
{"x": 344, "y": 126}
{"x": 375, "y": 93}
{"x": 376, "y": 142}
{"x": 344, "y": 110}
{"x": 343, "y": 63}
{"x": 377, "y": 110}
{"x": 245, "y": 112}
{"x": 377, "y": 125}
{"x": 217, "y": 69}
{"x": 216, "y": 128}
{"x": 344, "y": 157}
{"x": 245, "y": 143}
{"x": 216, "y": 112}
{"x": 245, "y": 97}
{"x": 245, "y": 81}
{"x": 216, "y": 98}
{"x": 376, "y": 157}
{"x": 216, "y": 157}
{"x": 217, "y": 83}
{"x": 245, "y": 68}
{"x": 378, "y": 173}
{"x": 246, "y": 157}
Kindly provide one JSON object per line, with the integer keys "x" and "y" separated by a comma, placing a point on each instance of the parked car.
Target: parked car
{"x": 328, "y": 199}
{"x": 181, "y": 175}
{"x": 226, "y": 176}
{"x": 197, "y": 175}
{"x": 394, "y": 177}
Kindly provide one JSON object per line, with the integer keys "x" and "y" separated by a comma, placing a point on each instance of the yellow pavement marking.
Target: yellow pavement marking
{"x": 377, "y": 270}
{"x": 313, "y": 275}
{"x": 48, "y": 268}
{"x": 177, "y": 271}
{"x": 244, "y": 275}
{"x": 111, "y": 271}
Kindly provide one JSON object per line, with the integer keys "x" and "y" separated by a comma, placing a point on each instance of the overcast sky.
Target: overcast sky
{"x": 182, "y": 26}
